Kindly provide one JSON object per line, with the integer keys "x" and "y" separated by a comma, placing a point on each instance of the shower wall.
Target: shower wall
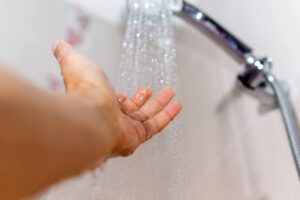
{"x": 232, "y": 151}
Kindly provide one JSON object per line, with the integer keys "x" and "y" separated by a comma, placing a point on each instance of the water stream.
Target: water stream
{"x": 157, "y": 169}
{"x": 149, "y": 59}
{"x": 148, "y": 49}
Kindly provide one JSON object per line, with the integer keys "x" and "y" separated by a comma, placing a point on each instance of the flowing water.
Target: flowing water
{"x": 148, "y": 49}
{"x": 148, "y": 59}
{"x": 156, "y": 170}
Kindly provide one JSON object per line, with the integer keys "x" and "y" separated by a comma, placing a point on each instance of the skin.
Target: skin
{"x": 46, "y": 137}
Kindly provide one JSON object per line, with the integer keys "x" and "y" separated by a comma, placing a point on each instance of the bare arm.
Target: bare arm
{"x": 46, "y": 137}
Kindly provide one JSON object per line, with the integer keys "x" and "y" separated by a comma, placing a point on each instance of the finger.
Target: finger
{"x": 154, "y": 105}
{"x": 79, "y": 72}
{"x": 141, "y": 96}
{"x": 162, "y": 119}
{"x": 137, "y": 100}
{"x": 121, "y": 99}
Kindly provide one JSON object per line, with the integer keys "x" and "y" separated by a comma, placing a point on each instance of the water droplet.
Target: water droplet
{"x": 141, "y": 97}
{"x": 136, "y": 6}
{"x": 168, "y": 41}
{"x": 147, "y": 5}
{"x": 153, "y": 60}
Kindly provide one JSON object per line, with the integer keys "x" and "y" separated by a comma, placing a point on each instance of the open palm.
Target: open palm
{"x": 135, "y": 119}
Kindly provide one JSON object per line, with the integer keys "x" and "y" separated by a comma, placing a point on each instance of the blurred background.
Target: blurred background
{"x": 231, "y": 151}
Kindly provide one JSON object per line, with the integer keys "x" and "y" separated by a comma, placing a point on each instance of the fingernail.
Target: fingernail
{"x": 55, "y": 45}
{"x": 61, "y": 48}
{"x": 178, "y": 104}
{"x": 141, "y": 96}
{"x": 122, "y": 99}
{"x": 168, "y": 92}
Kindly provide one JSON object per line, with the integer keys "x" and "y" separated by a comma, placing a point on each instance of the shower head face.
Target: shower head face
{"x": 176, "y": 5}
{"x": 148, "y": 7}
{"x": 154, "y": 7}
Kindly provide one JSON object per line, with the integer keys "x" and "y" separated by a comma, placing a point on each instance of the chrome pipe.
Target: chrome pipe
{"x": 234, "y": 46}
{"x": 256, "y": 77}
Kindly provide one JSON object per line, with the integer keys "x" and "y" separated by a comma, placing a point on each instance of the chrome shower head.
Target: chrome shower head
{"x": 174, "y": 5}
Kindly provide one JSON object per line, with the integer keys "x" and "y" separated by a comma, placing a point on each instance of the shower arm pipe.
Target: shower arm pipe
{"x": 251, "y": 78}
{"x": 239, "y": 50}
{"x": 256, "y": 77}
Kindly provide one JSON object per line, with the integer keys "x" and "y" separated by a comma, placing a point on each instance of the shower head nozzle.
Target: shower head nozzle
{"x": 155, "y": 5}
{"x": 176, "y": 5}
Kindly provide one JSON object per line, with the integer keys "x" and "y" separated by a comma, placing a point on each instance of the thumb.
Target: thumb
{"x": 80, "y": 74}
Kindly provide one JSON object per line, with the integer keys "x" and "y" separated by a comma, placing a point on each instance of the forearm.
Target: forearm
{"x": 45, "y": 137}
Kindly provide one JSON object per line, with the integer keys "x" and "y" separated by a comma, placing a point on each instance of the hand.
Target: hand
{"x": 142, "y": 117}
{"x": 130, "y": 121}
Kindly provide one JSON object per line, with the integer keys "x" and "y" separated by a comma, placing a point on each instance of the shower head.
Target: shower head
{"x": 154, "y": 7}
{"x": 174, "y": 5}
